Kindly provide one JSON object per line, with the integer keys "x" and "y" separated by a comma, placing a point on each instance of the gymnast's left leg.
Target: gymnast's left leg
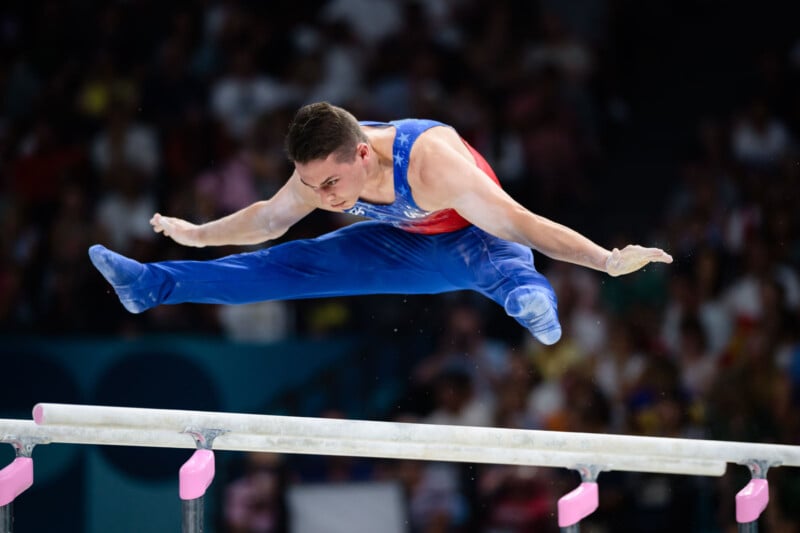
{"x": 363, "y": 258}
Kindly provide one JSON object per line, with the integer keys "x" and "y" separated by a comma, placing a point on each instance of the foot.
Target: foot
{"x": 536, "y": 310}
{"x": 122, "y": 273}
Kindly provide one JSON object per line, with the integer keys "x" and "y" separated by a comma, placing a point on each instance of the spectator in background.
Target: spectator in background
{"x": 579, "y": 307}
{"x": 759, "y": 138}
{"x": 697, "y": 365}
{"x": 103, "y": 87}
{"x": 436, "y": 503}
{"x": 39, "y": 168}
{"x": 384, "y": 18}
{"x": 618, "y": 369}
{"x": 122, "y": 207}
{"x": 169, "y": 87}
{"x": 587, "y": 408}
{"x": 513, "y": 393}
{"x": 244, "y": 93}
{"x": 227, "y": 187}
{"x": 695, "y": 294}
{"x": 254, "y": 501}
{"x": 551, "y": 139}
{"x": 342, "y": 61}
{"x": 656, "y": 403}
{"x": 465, "y": 348}
{"x": 560, "y": 48}
{"x": 563, "y": 49}
{"x": 125, "y": 142}
{"x": 742, "y": 297}
{"x": 456, "y": 402}
{"x": 517, "y": 498}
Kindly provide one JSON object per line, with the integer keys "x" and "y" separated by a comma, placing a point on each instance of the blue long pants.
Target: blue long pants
{"x": 362, "y": 258}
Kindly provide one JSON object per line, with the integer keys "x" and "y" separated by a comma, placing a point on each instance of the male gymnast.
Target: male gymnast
{"x": 441, "y": 222}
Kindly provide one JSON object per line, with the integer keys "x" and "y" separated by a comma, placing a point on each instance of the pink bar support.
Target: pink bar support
{"x": 751, "y": 501}
{"x": 578, "y": 504}
{"x": 196, "y": 475}
{"x": 15, "y": 479}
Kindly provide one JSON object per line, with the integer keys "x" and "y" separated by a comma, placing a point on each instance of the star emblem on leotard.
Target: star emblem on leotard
{"x": 398, "y": 158}
{"x": 403, "y": 138}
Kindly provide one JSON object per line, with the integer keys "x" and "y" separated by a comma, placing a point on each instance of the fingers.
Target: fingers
{"x": 162, "y": 224}
{"x": 168, "y": 227}
{"x": 658, "y": 255}
{"x": 652, "y": 254}
{"x": 175, "y": 228}
{"x": 155, "y": 221}
{"x": 634, "y": 257}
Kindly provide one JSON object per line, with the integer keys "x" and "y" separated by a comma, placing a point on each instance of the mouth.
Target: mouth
{"x": 339, "y": 205}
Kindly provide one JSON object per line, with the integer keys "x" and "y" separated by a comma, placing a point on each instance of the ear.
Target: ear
{"x": 362, "y": 151}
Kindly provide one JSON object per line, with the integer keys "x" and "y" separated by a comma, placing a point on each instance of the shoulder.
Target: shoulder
{"x": 440, "y": 167}
{"x": 437, "y": 151}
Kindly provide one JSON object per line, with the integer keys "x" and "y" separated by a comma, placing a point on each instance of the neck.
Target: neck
{"x": 379, "y": 186}
{"x": 377, "y": 166}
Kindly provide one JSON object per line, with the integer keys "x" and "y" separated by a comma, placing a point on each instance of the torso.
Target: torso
{"x": 393, "y": 200}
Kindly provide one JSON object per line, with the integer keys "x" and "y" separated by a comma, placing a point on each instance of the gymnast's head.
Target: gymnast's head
{"x": 319, "y": 130}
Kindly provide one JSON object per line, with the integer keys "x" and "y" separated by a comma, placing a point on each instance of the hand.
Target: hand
{"x": 177, "y": 229}
{"x": 632, "y": 258}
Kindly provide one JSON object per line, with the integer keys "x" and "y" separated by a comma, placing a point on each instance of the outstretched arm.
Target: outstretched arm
{"x": 447, "y": 179}
{"x": 254, "y": 224}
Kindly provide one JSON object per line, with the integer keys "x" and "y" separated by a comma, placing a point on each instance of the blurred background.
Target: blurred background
{"x": 670, "y": 123}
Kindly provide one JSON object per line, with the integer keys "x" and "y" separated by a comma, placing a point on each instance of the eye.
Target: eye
{"x": 330, "y": 184}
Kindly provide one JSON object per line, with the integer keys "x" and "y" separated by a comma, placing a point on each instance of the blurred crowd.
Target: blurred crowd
{"x": 111, "y": 111}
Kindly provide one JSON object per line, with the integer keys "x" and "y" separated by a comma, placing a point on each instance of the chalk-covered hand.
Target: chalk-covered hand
{"x": 632, "y": 258}
{"x": 177, "y": 229}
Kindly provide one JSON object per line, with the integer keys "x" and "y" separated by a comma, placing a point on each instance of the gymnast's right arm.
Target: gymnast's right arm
{"x": 259, "y": 222}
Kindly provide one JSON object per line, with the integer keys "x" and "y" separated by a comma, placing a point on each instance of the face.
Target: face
{"x": 338, "y": 185}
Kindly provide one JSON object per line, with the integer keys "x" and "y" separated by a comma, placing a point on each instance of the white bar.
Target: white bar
{"x": 418, "y": 434}
{"x": 15, "y": 429}
{"x": 348, "y": 446}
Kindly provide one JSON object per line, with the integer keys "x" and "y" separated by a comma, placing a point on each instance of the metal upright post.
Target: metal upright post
{"x": 581, "y": 502}
{"x": 753, "y": 498}
{"x": 195, "y": 477}
{"x": 7, "y": 518}
{"x": 15, "y": 478}
{"x": 193, "y": 515}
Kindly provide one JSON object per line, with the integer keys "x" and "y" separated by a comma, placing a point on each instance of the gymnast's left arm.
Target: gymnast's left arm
{"x": 448, "y": 180}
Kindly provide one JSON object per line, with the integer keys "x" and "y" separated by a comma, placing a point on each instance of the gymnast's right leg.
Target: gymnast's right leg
{"x": 363, "y": 258}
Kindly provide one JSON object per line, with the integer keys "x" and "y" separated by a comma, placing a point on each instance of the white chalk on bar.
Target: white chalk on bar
{"x": 395, "y": 432}
{"x": 347, "y": 445}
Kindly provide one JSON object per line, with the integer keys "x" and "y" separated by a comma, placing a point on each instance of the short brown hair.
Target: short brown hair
{"x": 321, "y": 129}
